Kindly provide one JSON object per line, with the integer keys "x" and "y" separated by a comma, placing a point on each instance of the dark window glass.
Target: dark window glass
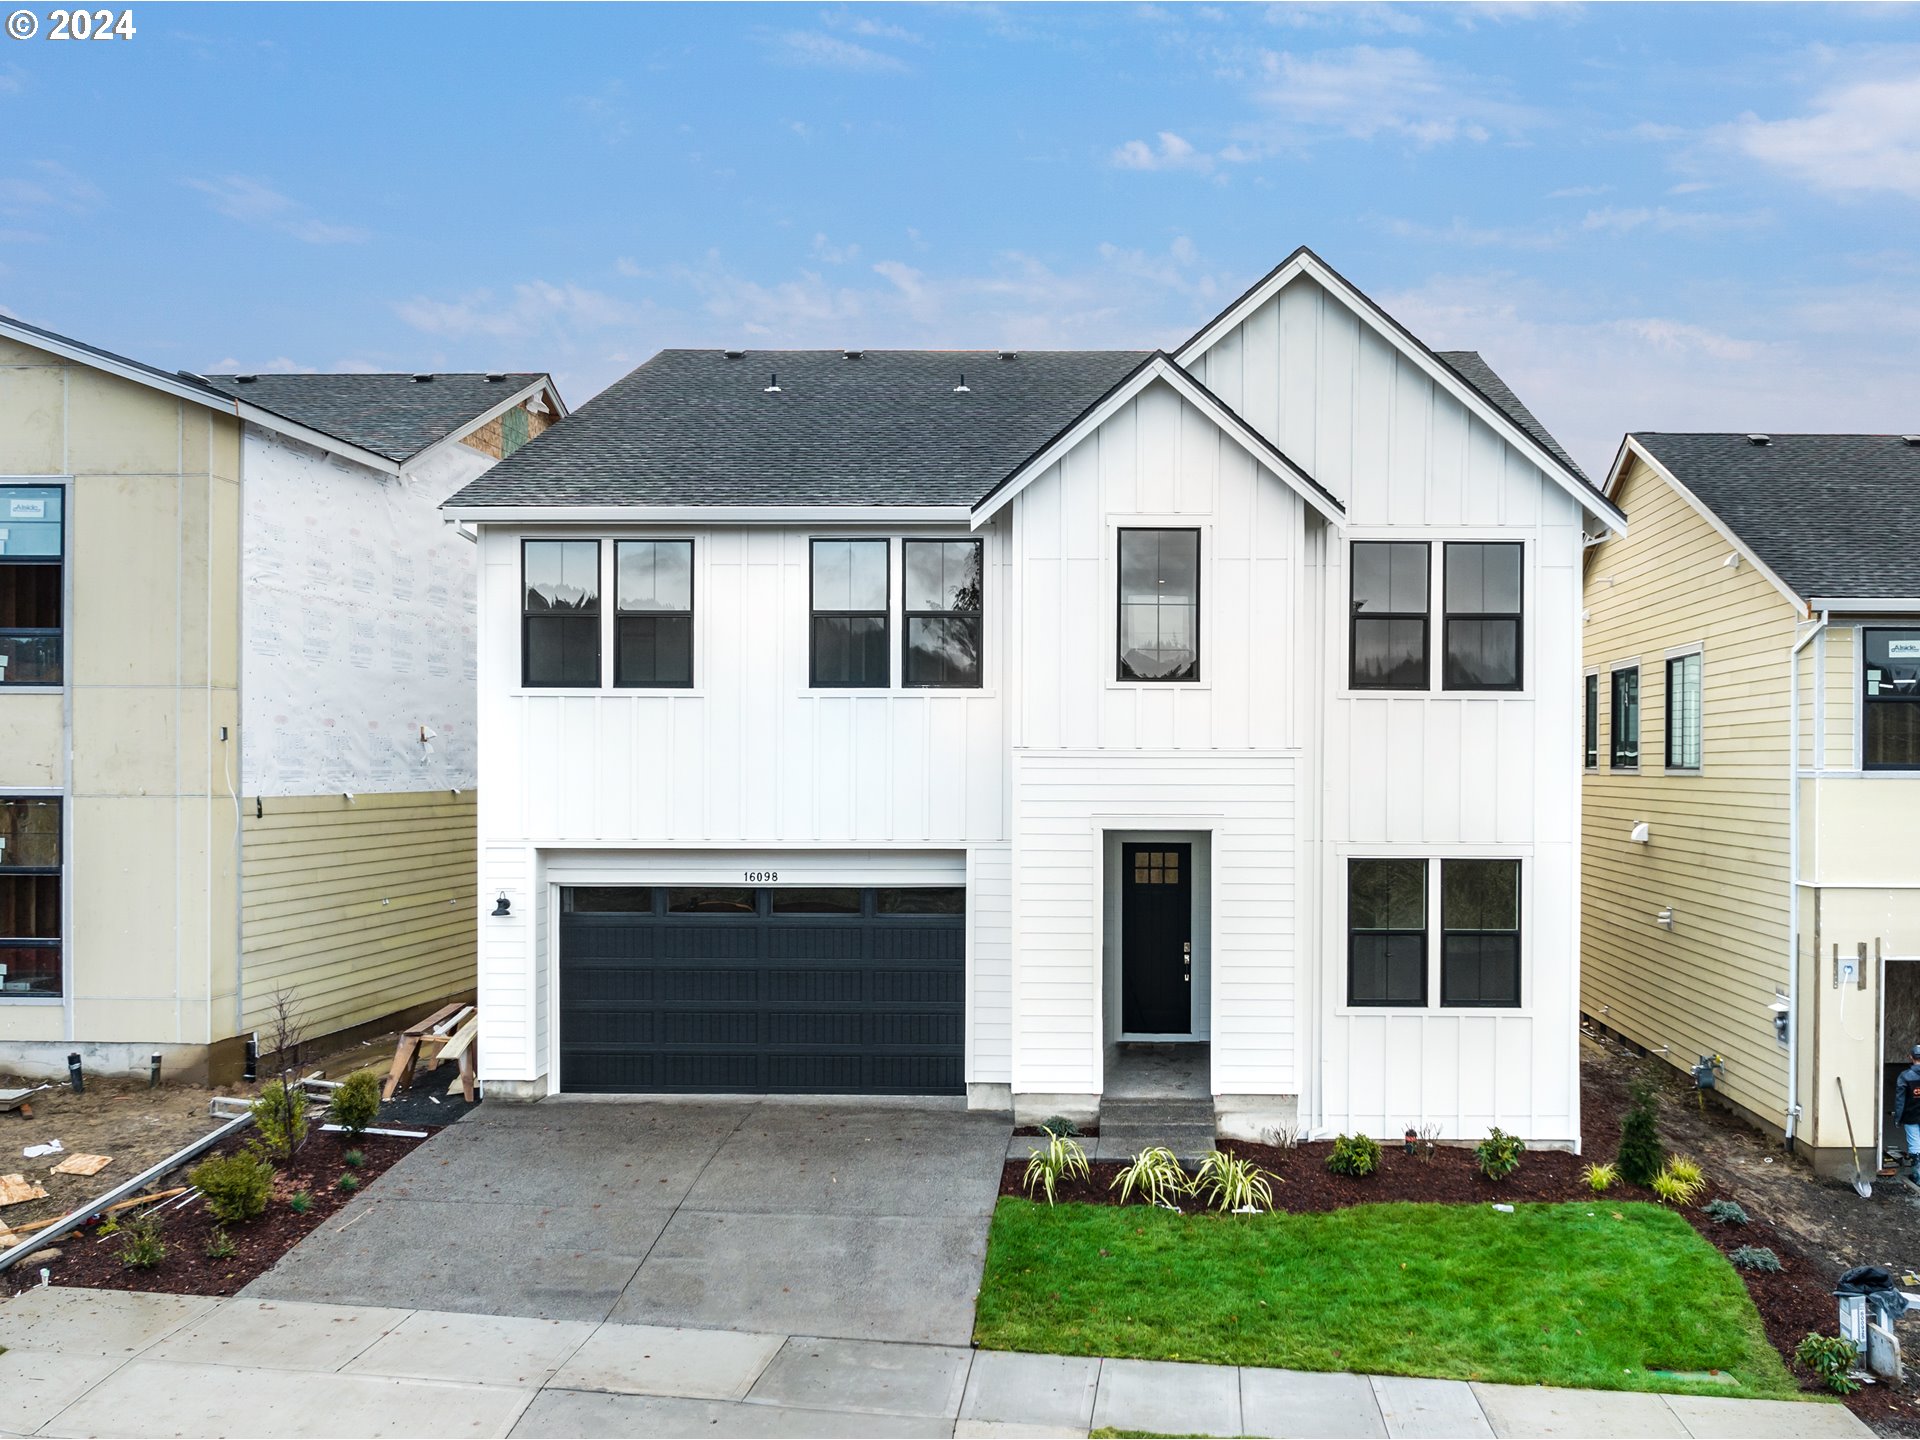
{"x": 1891, "y": 738}
{"x": 942, "y": 613}
{"x": 1624, "y": 749}
{"x": 29, "y": 896}
{"x": 32, "y": 550}
{"x": 715, "y": 900}
{"x": 1480, "y": 925}
{"x": 1387, "y": 932}
{"x": 1388, "y": 635}
{"x": 1593, "y": 721}
{"x": 1483, "y": 617}
{"x": 561, "y": 643}
{"x": 921, "y": 900}
{"x": 610, "y": 899}
{"x": 799, "y": 901}
{"x": 1683, "y": 712}
{"x": 850, "y": 590}
{"x": 653, "y": 613}
{"x": 1159, "y": 604}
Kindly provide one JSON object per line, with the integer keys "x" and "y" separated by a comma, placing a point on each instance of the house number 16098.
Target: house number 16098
{"x": 762, "y": 877}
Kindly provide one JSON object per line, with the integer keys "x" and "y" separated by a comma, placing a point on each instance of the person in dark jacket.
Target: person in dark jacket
{"x": 1906, "y": 1111}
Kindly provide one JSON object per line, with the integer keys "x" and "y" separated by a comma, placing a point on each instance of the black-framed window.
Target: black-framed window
{"x": 653, "y": 614}
{"x": 1159, "y": 604}
{"x": 941, "y": 588}
{"x": 32, "y": 560}
{"x": 1387, "y": 932}
{"x": 30, "y": 941}
{"x": 1683, "y": 712}
{"x": 1593, "y": 722}
{"x": 1387, "y": 632}
{"x": 560, "y": 620}
{"x": 849, "y": 629}
{"x": 1480, "y": 933}
{"x": 1483, "y": 611}
{"x": 1890, "y": 700}
{"x": 1623, "y": 745}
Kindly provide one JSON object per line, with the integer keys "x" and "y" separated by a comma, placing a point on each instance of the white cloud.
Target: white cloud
{"x": 253, "y": 203}
{"x": 13, "y": 80}
{"x": 1620, "y": 221}
{"x": 1577, "y": 192}
{"x": 1367, "y": 91}
{"x": 1861, "y": 135}
{"x": 828, "y": 253}
{"x": 47, "y": 185}
{"x": 811, "y": 49}
{"x": 534, "y": 309}
{"x": 1174, "y": 153}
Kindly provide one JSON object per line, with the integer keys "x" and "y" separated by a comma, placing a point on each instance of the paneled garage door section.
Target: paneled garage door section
{"x": 746, "y": 990}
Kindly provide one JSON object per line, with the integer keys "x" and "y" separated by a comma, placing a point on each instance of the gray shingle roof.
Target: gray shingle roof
{"x": 691, "y": 427}
{"x": 1831, "y": 515}
{"x": 1470, "y": 367}
{"x": 394, "y": 416}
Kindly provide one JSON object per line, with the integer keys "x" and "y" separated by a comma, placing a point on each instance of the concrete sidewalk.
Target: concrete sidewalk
{"x": 103, "y": 1362}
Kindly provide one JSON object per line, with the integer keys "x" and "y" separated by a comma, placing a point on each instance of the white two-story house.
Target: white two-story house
{"x": 943, "y": 723}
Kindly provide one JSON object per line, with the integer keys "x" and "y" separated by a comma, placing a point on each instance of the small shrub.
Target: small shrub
{"x": 1679, "y": 1182}
{"x": 236, "y": 1185}
{"x": 1429, "y": 1139}
{"x": 219, "y": 1244}
{"x": 354, "y": 1159}
{"x": 1757, "y": 1258}
{"x": 1641, "y": 1154}
{"x": 1830, "y": 1358}
{"x": 1060, "y": 1125}
{"x": 280, "y": 1116}
{"x": 356, "y": 1101}
{"x": 141, "y": 1247}
{"x": 1599, "y": 1178}
{"x": 1281, "y": 1137}
{"x": 300, "y": 1202}
{"x": 1155, "y": 1172}
{"x": 1354, "y": 1155}
{"x": 1498, "y": 1156}
{"x": 1228, "y": 1182}
{"x": 1727, "y": 1212}
{"x": 349, "y": 1182}
{"x": 1062, "y": 1158}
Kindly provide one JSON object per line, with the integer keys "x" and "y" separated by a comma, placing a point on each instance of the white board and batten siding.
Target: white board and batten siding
{"x": 1440, "y": 774}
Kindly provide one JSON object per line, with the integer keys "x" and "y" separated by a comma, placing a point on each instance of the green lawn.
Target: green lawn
{"x": 1593, "y": 1295}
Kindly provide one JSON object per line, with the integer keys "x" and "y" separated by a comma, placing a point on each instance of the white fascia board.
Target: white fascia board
{"x": 543, "y": 386}
{"x": 319, "y": 439}
{"x": 1864, "y": 605}
{"x": 180, "y": 388}
{"x": 1160, "y": 367}
{"x": 1305, "y": 262}
{"x": 710, "y": 514}
{"x": 1631, "y": 449}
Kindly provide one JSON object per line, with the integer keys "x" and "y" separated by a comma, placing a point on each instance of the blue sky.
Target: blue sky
{"x": 1675, "y": 217}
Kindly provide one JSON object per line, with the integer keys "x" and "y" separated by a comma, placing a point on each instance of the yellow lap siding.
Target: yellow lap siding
{"x": 357, "y": 909}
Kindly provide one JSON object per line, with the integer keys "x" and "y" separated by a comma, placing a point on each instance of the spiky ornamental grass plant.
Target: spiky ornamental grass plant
{"x": 1227, "y": 1182}
{"x": 1060, "y": 1159}
{"x": 1157, "y": 1174}
{"x": 1599, "y": 1178}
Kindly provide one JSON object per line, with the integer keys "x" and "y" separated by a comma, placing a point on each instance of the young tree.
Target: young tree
{"x": 1641, "y": 1154}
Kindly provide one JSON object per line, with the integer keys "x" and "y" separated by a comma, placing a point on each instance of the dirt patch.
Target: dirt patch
{"x": 91, "y": 1259}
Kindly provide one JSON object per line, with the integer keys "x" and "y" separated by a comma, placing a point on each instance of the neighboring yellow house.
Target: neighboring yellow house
{"x": 1766, "y": 605}
{"x": 236, "y": 699}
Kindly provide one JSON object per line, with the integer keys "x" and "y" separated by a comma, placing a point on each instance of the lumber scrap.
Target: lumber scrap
{"x": 83, "y": 1165}
{"x": 17, "y": 1190}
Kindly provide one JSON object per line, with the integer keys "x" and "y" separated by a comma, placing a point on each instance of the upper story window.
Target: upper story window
{"x": 942, "y": 613}
{"x": 1387, "y": 641}
{"x": 560, "y": 617}
{"x": 652, "y": 613}
{"x": 1593, "y": 722}
{"x": 1683, "y": 712}
{"x": 1159, "y": 599}
{"x": 1624, "y": 751}
{"x": 850, "y": 601}
{"x": 1891, "y": 702}
{"x": 1482, "y": 616}
{"x": 32, "y": 553}
{"x": 1480, "y": 932}
{"x": 1387, "y": 932}
{"x": 29, "y": 897}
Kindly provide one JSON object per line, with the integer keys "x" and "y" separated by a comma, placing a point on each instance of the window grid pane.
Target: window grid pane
{"x": 942, "y": 610}
{"x": 1890, "y": 682}
{"x": 1159, "y": 605}
{"x": 1683, "y": 712}
{"x": 1387, "y": 633}
{"x": 1483, "y": 616}
{"x": 1480, "y": 933}
{"x": 1593, "y": 721}
{"x": 32, "y": 551}
{"x": 848, "y": 645}
{"x": 1624, "y": 750}
{"x": 1387, "y": 932}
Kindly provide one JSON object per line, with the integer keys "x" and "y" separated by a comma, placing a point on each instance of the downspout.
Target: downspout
{"x": 1800, "y": 642}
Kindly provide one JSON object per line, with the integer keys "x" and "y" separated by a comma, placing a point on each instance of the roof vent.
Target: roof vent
{"x": 772, "y": 387}
{"x": 733, "y": 354}
{"x": 852, "y": 354}
{"x": 1009, "y": 354}
{"x": 1759, "y": 439}
{"x": 245, "y": 379}
{"x": 1911, "y": 439}
{"x": 494, "y": 377}
{"x": 422, "y": 379}
{"x": 962, "y": 388}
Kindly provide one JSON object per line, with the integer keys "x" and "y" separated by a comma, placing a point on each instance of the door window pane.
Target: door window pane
{"x": 561, "y": 624}
{"x": 849, "y": 630}
{"x": 712, "y": 900}
{"x": 1387, "y": 932}
{"x": 801, "y": 901}
{"x": 1159, "y": 605}
{"x": 1891, "y": 700}
{"x": 1483, "y": 615}
{"x": 1480, "y": 923}
{"x": 921, "y": 900}
{"x": 610, "y": 899}
{"x": 1624, "y": 751}
{"x": 1683, "y": 712}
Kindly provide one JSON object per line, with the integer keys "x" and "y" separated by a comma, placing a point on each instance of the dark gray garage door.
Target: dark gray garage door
{"x": 738, "y": 989}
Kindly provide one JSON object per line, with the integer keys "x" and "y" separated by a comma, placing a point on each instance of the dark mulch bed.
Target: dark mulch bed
{"x": 88, "y": 1259}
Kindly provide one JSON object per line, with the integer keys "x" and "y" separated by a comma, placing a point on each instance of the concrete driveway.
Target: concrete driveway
{"x": 839, "y": 1220}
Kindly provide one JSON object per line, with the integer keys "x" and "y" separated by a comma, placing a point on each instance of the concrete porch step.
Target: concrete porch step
{"x": 1188, "y": 1142}
{"x": 1138, "y": 1114}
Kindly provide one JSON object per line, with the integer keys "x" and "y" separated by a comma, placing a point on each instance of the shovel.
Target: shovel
{"x": 1861, "y": 1186}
